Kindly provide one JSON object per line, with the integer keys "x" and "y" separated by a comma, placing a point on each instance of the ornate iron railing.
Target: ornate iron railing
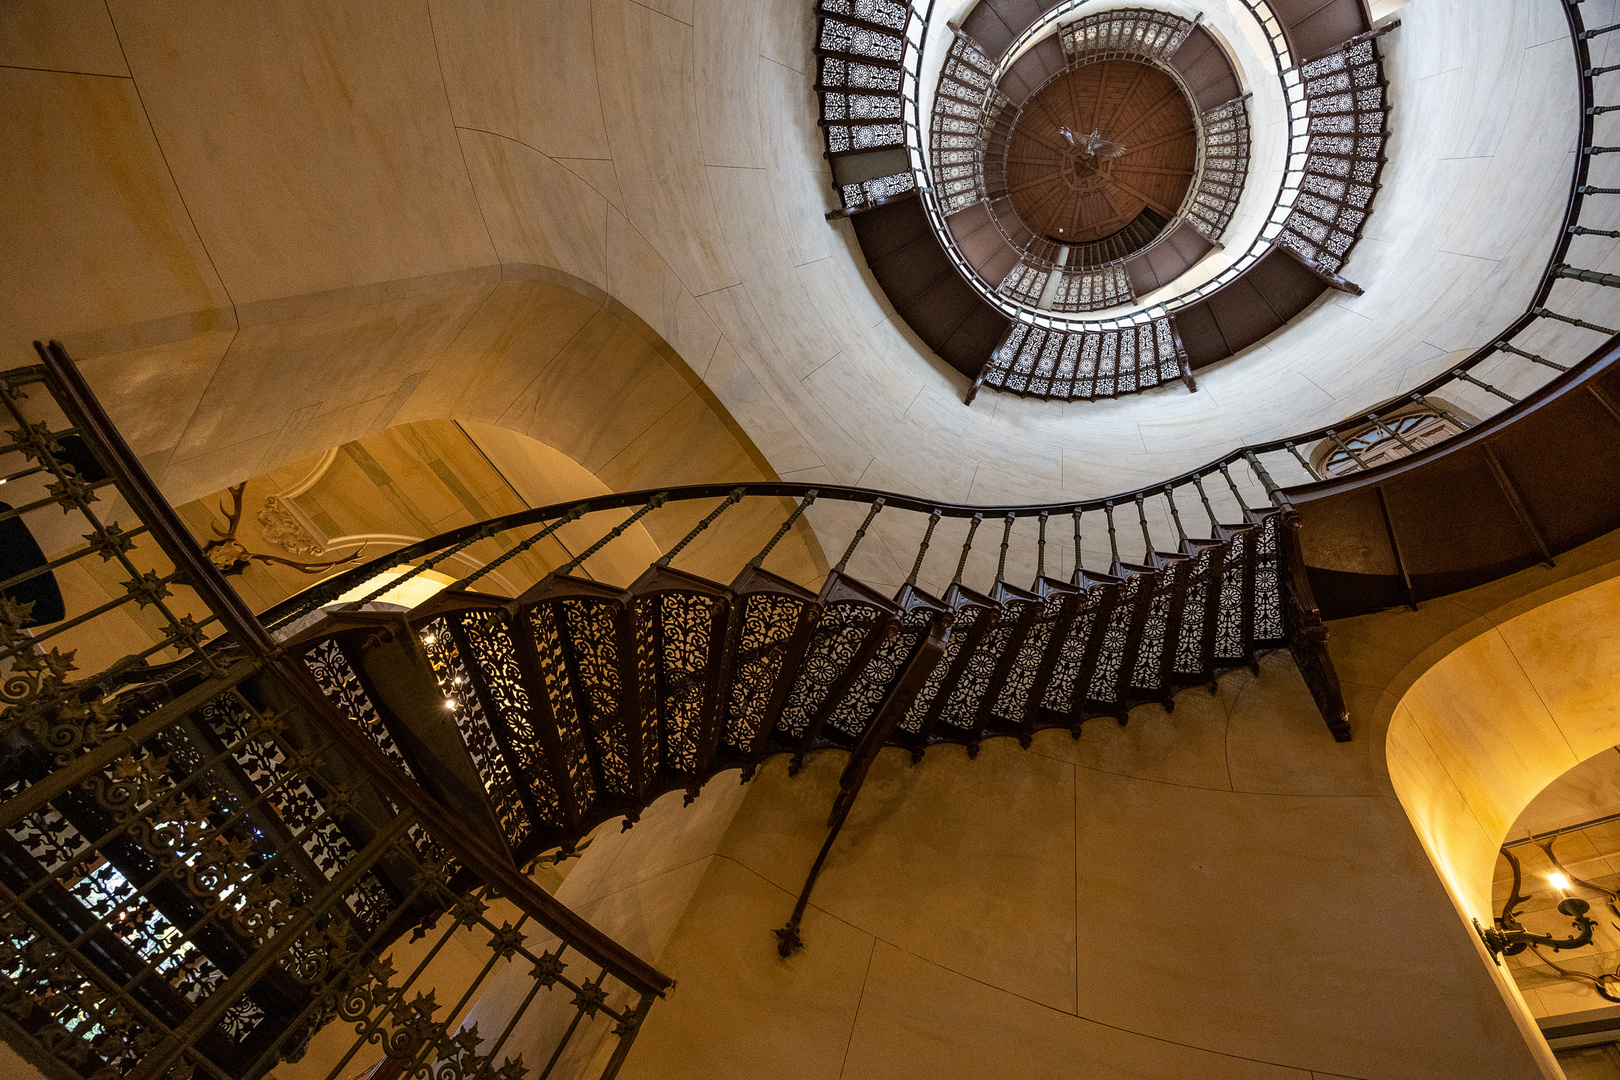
{"x": 205, "y": 869}
{"x": 1293, "y": 94}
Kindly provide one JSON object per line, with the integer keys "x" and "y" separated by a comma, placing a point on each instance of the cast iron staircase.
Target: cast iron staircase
{"x": 540, "y": 717}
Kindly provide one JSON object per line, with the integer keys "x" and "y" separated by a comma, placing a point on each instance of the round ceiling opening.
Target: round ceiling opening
{"x": 1107, "y": 149}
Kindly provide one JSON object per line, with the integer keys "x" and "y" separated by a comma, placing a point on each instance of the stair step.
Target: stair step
{"x": 538, "y": 718}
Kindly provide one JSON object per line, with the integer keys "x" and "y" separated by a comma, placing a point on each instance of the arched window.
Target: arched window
{"x": 1376, "y": 443}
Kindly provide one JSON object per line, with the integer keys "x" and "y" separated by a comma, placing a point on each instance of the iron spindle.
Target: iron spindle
{"x": 652, "y": 504}
{"x": 1175, "y": 515}
{"x": 572, "y": 515}
{"x": 1393, "y": 433}
{"x": 1582, "y": 230}
{"x": 1214, "y": 522}
{"x": 1505, "y": 347}
{"x": 1113, "y": 546}
{"x": 1006, "y": 538}
{"x": 1147, "y": 537}
{"x": 967, "y": 545}
{"x": 482, "y": 534}
{"x": 1586, "y": 189}
{"x": 1598, "y": 110}
{"x": 1442, "y": 412}
{"x": 1040, "y": 549}
{"x": 1591, "y": 277}
{"x": 734, "y": 497}
{"x": 1236, "y": 494}
{"x": 1593, "y": 150}
{"x": 1465, "y": 377}
{"x": 928, "y": 534}
{"x": 1587, "y": 35}
{"x": 1306, "y": 465}
{"x": 758, "y": 560}
{"x": 1077, "y": 566}
{"x": 1545, "y": 314}
{"x": 854, "y": 541}
{"x": 1342, "y": 445}
{"x": 1273, "y": 492}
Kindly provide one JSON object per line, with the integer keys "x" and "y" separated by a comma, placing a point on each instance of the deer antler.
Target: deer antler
{"x": 234, "y": 517}
{"x": 307, "y": 567}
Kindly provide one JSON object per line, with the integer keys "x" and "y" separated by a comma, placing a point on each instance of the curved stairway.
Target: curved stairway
{"x": 537, "y": 718}
{"x": 861, "y": 77}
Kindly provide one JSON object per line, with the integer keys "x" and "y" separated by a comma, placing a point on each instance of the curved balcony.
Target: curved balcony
{"x": 1130, "y": 274}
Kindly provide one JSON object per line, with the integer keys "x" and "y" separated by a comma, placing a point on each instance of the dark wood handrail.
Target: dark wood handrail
{"x": 143, "y": 496}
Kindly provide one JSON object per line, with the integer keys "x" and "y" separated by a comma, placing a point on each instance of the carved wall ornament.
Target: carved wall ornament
{"x": 283, "y": 528}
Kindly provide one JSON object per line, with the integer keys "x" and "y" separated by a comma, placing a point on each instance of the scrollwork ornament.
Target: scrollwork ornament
{"x": 129, "y": 784}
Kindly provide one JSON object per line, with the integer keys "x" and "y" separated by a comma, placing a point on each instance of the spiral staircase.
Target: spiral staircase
{"x": 209, "y": 858}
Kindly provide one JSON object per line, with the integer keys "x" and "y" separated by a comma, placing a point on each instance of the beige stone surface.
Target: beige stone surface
{"x": 667, "y": 154}
{"x": 281, "y": 227}
{"x": 71, "y": 36}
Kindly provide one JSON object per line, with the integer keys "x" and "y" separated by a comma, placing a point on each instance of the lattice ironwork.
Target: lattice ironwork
{"x": 1025, "y": 282}
{"x": 1092, "y": 289}
{"x": 1348, "y": 109}
{"x": 1129, "y": 33}
{"x": 466, "y": 707}
{"x": 592, "y": 631}
{"x": 1085, "y": 364}
{"x": 838, "y": 637}
{"x": 956, "y": 157}
{"x": 1225, "y": 168}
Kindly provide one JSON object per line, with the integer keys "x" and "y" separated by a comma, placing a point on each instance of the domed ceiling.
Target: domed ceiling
{"x": 1098, "y": 147}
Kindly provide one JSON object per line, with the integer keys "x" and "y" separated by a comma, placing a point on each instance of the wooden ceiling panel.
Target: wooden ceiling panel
{"x": 1060, "y": 191}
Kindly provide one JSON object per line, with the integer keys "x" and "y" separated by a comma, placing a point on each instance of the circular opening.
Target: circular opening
{"x": 1104, "y": 150}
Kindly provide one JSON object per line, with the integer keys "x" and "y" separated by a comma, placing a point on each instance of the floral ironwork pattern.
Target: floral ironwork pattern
{"x": 462, "y": 701}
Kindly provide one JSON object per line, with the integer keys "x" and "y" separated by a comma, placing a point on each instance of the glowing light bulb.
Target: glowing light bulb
{"x": 428, "y": 639}
{"x": 1559, "y": 882}
{"x": 456, "y": 681}
{"x": 450, "y": 704}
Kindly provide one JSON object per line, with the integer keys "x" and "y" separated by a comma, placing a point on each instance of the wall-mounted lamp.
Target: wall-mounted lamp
{"x": 1514, "y": 939}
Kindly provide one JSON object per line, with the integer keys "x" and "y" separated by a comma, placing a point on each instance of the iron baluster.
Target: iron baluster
{"x": 1392, "y": 432}
{"x": 573, "y": 515}
{"x": 1214, "y": 522}
{"x": 877, "y": 507}
{"x": 1273, "y": 492}
{"x": 1113, "y": 546}
{"x": 652, "y": 504}
{"x": 1333, "y": 436}
{"x": 922, "y": 549}
{"x": 732, "y": 499}
{"x": 1175, "y": 514}
{"x": 1306, "y": 465}
{"x": 1465, "y": 377}
{"x": 1006, "y": 538}
{"x": 1078, "y": 567}
{"x": 1147, "y": 537}
{"x": 1545, "y": 314}
{"x": 1503, "y": 346}
{"x": 1040, "y": 549}
{"x": 1236, "y": 494}
{"x": 1591, "y": 277}
{"x": 759, "y": 560}
{"x": 482, "y": 534}
{"x": 967, "y": 545}
{"x": 1443, "y": 413}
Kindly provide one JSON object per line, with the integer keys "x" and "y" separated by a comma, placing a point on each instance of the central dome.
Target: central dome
{"x": 1104, "y": 148}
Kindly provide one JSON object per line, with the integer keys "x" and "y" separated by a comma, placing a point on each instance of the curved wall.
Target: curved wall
{"x": 184, "y": 170}
{"x": 1221, "y": 892}
{"x": 1482, "y": 732}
